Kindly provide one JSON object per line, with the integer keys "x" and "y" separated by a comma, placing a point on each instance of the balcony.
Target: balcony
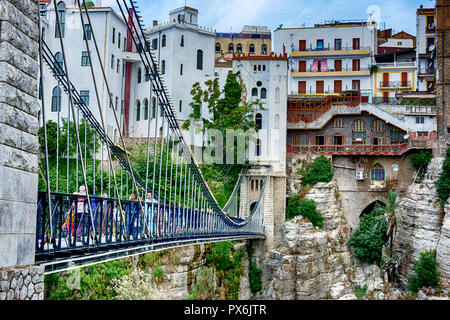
{"x": 388, "y": 65}
{"x": 376, "y": 150}
{"x": 394, "y": 85}
{"x": 332, "y": 51}
{"x": 404, "y": 101}
{"x": 332, "y": 72}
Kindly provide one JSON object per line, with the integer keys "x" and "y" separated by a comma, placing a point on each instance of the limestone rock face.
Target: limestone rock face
{"x": 423, "y": 217}
{"x": 443, "y": 249}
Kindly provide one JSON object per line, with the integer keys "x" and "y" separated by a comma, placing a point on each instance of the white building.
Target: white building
{"x": 265, "y": 81}
{"x": 426, "y": 49}
{"x": 185, "y": 55}
{"x": 328, "y": 59}
{"x": 111, "y": 32}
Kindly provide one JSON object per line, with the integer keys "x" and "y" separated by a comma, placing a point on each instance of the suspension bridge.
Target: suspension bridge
{"x": 172, "y": 206}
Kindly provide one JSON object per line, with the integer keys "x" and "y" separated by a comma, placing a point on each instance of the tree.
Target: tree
{"x": 321, "y": 171}
{"x": 426, "y": 273}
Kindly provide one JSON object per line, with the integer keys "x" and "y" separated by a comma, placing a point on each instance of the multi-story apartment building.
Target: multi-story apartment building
{"x": 426, "y": 49}
{"x": 112, "y": 44}
{"x": 387, "y": 42}
{"x": 253, "y": 40}
{"x": 185, "y": 55}
{"x": 328, "y": 59}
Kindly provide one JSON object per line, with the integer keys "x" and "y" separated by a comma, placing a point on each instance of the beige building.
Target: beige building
{"x": 253, "y": 40}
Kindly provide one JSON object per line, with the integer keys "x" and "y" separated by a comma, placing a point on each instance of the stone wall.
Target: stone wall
{"x": 19, "y": 148}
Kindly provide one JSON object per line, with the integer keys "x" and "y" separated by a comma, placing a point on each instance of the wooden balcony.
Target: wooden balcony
{"x": 367, "y": 150}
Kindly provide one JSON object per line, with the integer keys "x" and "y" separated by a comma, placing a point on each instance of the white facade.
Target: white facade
{"x": 185, "y": 55}
{"x": 265, "y": 81}
{"x": 340, "y": 56}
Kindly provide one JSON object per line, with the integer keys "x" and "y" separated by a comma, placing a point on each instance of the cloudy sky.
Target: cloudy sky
{"x": 227, "y": 15}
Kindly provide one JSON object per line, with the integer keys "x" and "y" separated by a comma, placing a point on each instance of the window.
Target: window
{"x": 113, "y": 60}
{"x": 264, "y": 49}
{"x": 181, "y": 69}
{"x": 139, "y": 75}
{"x": 85, "y": 59}
{"x": 254, "y": 93}
{"x": 356, "y": 44}
{"x": 338, "y": 122}
{"x": 88, "y": 32}
{"x": 320, "y": 86}
{"x": 155, "y": 44}
{"x": 302, "y": 66}
{"x": 163, "y": 67}
{"x": 277, "y": 95}
{"x": 319, "y": 140}
{"x": 230, "y": 48}
{"x": 119, "y": 39}
{"x": 338, "y": 140}
{"x": 118, "y": 65}
{"x": 356, "y": 64}
{"x": 258, "y": 147}
{"x": 277, "y": 121}
{"x": 62, "y": 19}
{"x": 356, "y": 85}
{"x": 163, "y": 41}
{"x": 138, "y": 111}
{"x": 378, "y": 126}
{"x": 117, "y": 104}
{"x": 60, "y": 62}
{"x": 337, "y": 65}
{"x": 422, "y": 134}
{"x": 337, "y": 86}
{"x": 378, "y": 173}
{"x": 420, "y": 120}
{"x": 114, "y": 35}
{"x": 251, "y": 48}
{"x": 258, "y": 121}
{"x": 320, "y": 44}
{"x": 337, "y": 44}
{"x": 199, "y": 60}
{"x": 218, "y": 47}
{"x": 180, "y": 106}
{"x": 359, "y": 126}
{"x": 263, "y": 93}
{"x": 43, "y": 10}
{"x": 301, "y": 87}
{"x": 154, "y": 107}
{"x": 85, "y": 96}
{"x": 301, "y": 45}
{"x": 239, "y": 48}
{"x": 145, "y": 109}
{"x": 56, "y": 99}
{"x": 182, "y": 41}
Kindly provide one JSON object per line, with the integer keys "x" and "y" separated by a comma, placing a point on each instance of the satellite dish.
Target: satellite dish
{"x": 406, "y": 137}
{"x": 431, "y": 48}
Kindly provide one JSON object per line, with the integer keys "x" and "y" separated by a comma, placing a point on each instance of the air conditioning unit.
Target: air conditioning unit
{"x": 359, "y": 175}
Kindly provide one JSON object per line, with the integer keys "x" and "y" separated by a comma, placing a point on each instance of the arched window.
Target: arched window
{"x": 145, "y": 109}
{"x": 60, "y": 62}
{"x": 258, "y": 121}
{"x": 252, "y": 185}
{"x": 258, "y": 147}
{"x": 255, "y": 68}
{"x": 378, "y": 126}
{"x": 182, "y": 41}
{"x": 359, "y": 126}
{"x": 62, "y": 19}
{"x": 251, "y": 48}
{"x": 263, "y": 93}
{"x": 163, "y": 40}
{"x": 277, "y": 95}
{"x": 139, "y": 75}
{"x": 254, "y": 93}
{"x": 56, "y": 99}
{"x": 377, "y": 173}
{"x": 163, "y": 67}
{"x": 239, "y": 48}
{"x": 264, "y": 49}
{"x": 230, "y": 48}
{"x": 154, "y": 107}
{"x": 138, "y": 111}
{"x": 218, "y": 48}
{"x": 199, "y": 59}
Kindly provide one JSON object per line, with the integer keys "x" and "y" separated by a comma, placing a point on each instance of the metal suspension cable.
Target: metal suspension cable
{"x": 73, "y": 112}
{"x": 47, "y": 177}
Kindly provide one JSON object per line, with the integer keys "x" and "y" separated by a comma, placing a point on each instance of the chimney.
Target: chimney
{"x": 155, "y": 23}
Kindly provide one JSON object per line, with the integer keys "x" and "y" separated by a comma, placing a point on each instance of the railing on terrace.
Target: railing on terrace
{"x": 350, "y": 149}
{"x": 340, "y": 48}
{"x": 395, "y": 84}
{"x": 334, "y": 70}
{"x": 405, "y": 101}
{"x": 310, "y": 110}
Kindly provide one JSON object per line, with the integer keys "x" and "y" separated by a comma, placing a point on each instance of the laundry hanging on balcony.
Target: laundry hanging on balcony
{"x": 315, "y": 66}
{"x": 323, "y": 65}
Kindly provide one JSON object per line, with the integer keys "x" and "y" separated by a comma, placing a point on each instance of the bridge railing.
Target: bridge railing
{"x": 75, "y": 228}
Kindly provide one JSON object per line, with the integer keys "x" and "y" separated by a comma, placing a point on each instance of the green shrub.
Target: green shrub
{"x": 361, "y": 292}
{"x": 369, "y": 239}
{"x": 426, "y": 274}
{"x": 254, "y": 275}
{"x": 421, "y": 159}
{"x": 443, "y": 184}
{"x": 305, "y": 208}
{"x": 321, "y": 171}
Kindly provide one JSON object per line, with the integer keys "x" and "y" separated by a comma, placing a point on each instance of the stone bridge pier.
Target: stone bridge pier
{"x": 20, "y": 279}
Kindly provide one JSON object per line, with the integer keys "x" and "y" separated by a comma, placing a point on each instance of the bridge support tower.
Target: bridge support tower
{"x": 20, "y": 279}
